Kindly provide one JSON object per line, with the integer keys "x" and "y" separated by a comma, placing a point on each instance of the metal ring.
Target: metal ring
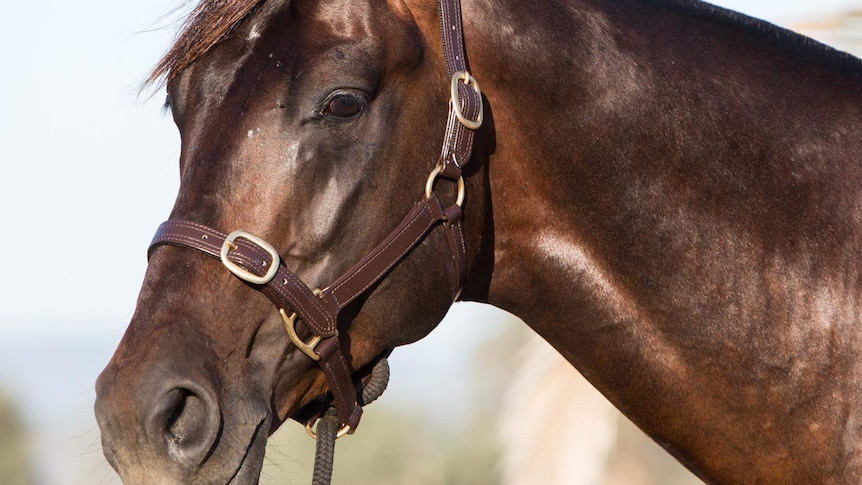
{"x": 456, "y": 100}
{"x": 242, "y": 273}
{"x": 309, "y": 428}
{"x": 429, "y": 186}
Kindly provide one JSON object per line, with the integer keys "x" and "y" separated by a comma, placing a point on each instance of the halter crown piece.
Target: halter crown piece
{"x": 258, "y": 264}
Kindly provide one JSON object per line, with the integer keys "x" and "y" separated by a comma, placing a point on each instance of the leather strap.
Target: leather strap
{"x": 371, "y": 269}
{"x": 287, "y": 292}
{"x": 457, "y": 246}
{"x": 252, "y": 259}
{"x": 320, "y": 313}
{"x": 458, "y": 142}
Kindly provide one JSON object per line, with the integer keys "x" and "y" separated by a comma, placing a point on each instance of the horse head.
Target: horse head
{"x": 311, "y": 125}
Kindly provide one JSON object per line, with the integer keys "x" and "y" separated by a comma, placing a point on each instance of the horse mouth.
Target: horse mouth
{"x": 248, "y": 470}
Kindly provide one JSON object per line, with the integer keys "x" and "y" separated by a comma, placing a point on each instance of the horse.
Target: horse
{"x": 665, "y": 191}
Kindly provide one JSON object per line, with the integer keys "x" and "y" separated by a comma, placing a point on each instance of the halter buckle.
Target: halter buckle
{"x": 456, "y": 99}
{"x": 239, "y": 271}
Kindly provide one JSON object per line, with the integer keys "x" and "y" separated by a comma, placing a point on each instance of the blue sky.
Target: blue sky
{"x": 89, "y": 167}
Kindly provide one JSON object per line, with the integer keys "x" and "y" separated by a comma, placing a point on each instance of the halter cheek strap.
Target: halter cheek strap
{"x": 258, "y": 264}
{"x": 254, "y": 262}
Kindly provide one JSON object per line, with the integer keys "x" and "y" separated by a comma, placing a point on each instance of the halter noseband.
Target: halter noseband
{"x": 257, "y": 263}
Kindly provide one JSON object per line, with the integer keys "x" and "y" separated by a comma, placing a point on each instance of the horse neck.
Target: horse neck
{"x": 557, "y": 86}
{"x": 613, "y": 122}
{"x": 644, "y": 223}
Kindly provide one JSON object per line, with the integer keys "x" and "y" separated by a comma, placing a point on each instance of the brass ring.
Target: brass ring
{"x": 309, "y": 429}
{"x": 429, "y": 186}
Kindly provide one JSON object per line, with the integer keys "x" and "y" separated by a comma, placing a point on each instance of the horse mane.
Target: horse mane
{"x": 207, "y": 25}
{"x": 803, "y": 45}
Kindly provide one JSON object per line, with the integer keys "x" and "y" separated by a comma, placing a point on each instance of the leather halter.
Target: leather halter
{"x": 257, "y": 263}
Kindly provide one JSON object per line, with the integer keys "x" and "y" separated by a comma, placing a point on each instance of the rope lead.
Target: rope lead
{"x": 328, "y": 425}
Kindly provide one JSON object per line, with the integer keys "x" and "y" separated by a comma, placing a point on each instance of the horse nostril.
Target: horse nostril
{"x": 186, "y": 422}
{"x": 186, "y": 416}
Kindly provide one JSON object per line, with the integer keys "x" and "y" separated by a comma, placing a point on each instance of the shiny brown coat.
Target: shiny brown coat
{"x": 668, "y": 193}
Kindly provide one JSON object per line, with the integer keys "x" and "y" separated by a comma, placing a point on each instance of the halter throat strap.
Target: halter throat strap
{"x": 258, "y": 264}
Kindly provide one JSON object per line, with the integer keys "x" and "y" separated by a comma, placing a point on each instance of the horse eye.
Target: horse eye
{"x": 344, "y": 105}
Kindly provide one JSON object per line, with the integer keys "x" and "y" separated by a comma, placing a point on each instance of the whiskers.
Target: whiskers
{"x": 289, "y": 457}
{"x": 94, "y": 468}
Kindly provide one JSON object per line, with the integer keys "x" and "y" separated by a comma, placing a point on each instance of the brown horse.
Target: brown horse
{"x": 667, "y": 192}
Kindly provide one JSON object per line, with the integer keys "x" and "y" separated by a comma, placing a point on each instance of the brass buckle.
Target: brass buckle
{"x": 456, "y": 99}
{"x": 309, "y": 428}
{"x": 307, "y": 348}
{"x": 429, "y": 186}
{"x": 242, "y": 273}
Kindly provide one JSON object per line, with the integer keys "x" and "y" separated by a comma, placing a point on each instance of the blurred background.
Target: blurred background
{"x": 88, "y": 171}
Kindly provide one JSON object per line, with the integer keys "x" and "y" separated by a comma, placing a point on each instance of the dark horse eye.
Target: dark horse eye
{"x": 344, "y": 105}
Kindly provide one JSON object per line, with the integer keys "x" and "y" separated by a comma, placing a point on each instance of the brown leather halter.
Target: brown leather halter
{"x": 257, "y": 263}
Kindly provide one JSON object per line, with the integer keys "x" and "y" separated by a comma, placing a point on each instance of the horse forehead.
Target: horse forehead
{"x": 347, "y": 19}
{"x": 350, "y": 19}
{"x": 315, "y": 27}
{"x": 358, "y": 20}
{"x": 344, "y": 20}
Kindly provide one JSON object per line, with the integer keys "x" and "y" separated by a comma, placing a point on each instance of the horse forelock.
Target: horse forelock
{"x": 207, "y": 25}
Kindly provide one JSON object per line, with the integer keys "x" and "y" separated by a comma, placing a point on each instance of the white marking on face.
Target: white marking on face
{"x": 254, "y": 34}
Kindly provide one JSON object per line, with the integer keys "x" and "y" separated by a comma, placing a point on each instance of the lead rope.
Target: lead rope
{"x": 329, "y": 424}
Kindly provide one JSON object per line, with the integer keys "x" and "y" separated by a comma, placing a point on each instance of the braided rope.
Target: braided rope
{"x": 328, "y": 425}
{"x": 327, "y": 429}
{"x": 378, "y": 382}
